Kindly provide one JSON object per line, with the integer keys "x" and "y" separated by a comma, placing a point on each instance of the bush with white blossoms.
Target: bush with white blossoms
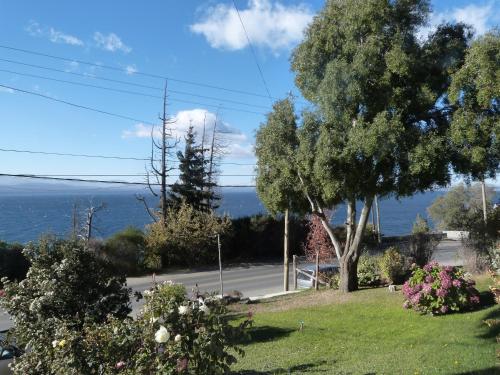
{"x": 172, "y": 335}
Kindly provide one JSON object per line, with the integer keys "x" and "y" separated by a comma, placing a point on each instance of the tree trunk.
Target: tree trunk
{"x": 286, "y": 262}
{"x": 348, "y": 274}
{"x": 483, "y": 194}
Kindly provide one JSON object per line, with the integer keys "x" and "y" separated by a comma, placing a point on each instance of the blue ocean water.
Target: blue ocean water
{"x": 24, "y": 217}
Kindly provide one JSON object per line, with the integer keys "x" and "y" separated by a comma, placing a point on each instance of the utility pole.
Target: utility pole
{"x": 286, "y": 262}
{"x": 379, "y": 234}
{"x": 220, "y": 267}
{"x": 483, "y": 194}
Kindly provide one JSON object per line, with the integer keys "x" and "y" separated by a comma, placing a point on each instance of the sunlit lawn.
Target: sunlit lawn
{"x": 367, "y": 332}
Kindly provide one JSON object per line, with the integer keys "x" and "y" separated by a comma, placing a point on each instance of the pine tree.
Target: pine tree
{"x": 190, "y": 188}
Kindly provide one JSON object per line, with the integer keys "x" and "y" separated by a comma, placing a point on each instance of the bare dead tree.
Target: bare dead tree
{"x": 158, "y": 164}
{"x": 218, "y": 148}
{"x": 89, "y": 224}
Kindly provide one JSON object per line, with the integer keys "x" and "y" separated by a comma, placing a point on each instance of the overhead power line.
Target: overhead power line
{"x": 145, "y": 74}
{"x": 104, "y": 156}
{"x": 134, "y": 92}
{"x": 77, "y": 105}
{"x": 253, "y": 52}
{"x": 128, "y": 175}
{"x": 40, "y": 177}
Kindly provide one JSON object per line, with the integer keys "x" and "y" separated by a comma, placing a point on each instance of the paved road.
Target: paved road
{"x": 252, "y": 280}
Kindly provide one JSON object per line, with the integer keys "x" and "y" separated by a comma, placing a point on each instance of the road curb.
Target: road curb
{"x": 271, "y": 295}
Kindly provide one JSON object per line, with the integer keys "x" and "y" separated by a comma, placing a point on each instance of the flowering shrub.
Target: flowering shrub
{"x": 172, "y": 335}
{"x": 438, "y": 290}
{"x": 66, "y": 288}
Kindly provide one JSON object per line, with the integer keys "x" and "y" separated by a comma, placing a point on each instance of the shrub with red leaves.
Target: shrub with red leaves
{"x": 317, "y": 241}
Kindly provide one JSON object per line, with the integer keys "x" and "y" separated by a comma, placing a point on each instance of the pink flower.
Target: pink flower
{"x": 474, "y": 299}
{"x": 120, "y": 365}
{"x": 427, "y": 288}
{"x": 446, "y": 283}
{"x": 457, "y": 283}
{"x": 441, "y": 292}
{"x": 182, "y": 364}
{"x": 429, "y": 279}
{"x": 444, "y": 309}
{"x": 406, "y": 305}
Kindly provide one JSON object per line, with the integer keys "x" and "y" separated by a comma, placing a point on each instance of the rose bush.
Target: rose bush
{"x": 171, "y": 335}
{"x": 439, "y": 290}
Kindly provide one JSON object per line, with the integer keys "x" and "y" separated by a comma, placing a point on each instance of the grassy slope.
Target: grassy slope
{"x": 367, "y": 332}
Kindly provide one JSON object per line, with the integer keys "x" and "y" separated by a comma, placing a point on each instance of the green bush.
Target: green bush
{"x": 125, "y": 251}
{"x": 187, "y": 238}
{"x": 172, "y": 335}
{"x": 66, "y": 288}
{"x": 392, "y": 265}
{"x": 422, "y": 243}
{"x": 368, "y": 271}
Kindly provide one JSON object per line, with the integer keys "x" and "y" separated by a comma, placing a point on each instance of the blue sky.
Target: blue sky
{"x": 198, "y": 41}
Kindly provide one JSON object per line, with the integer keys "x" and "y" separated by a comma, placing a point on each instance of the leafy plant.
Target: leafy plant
{"x": 66, "y": 288}
{"x": 392, "y": 266}
{"x": 438, "y": 290}
{"x": 125, "y": 251}
{"x": 188, "y": 237}
{"x": 368, "y": 271}
{"x": 172, "y": 335}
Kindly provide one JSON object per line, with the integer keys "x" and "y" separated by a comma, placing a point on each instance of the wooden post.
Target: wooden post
{"x": 220, "y": 267}
{"x": 295, "y": 272}
{"x": 379, "y": 232}
{"x": 316, "y": 281}
{"x": 286, "y": 271}
{"x": 483, "y": 194}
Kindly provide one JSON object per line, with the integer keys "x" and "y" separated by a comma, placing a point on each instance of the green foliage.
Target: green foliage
{"x": 392, "y": 265}
{"x": 368, "y": 270}
{"x": 475, "y": 90}
{"x": 192, "y": 186}
{"x": 187, "y": 238}
{"x": 277, "y": 181}
{"x": 125, "y": 251}
{"x": 421, "y": 243}
{"x": 172, "y": 335}
{"x": 65, "y": 288}
{"x": 438, "y": 290}
{"x": 460, "y": 207}
{"x": 13, "y": 264}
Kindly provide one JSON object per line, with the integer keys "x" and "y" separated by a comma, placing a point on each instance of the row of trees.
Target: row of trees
{"x": 391, "y": 114}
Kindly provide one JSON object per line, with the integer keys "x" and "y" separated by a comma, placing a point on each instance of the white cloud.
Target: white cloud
{"x": 479, "y": 17}
{"x": 272, "y": 25}
{"x": 237, "y": 144}
{"x": 7, "y": 90}
{"x": 130, "y": 69}
{"x": 55, "y": 36}
{"x": 110, "y": 42}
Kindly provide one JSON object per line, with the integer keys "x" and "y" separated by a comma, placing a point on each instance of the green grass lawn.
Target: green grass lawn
{"x": 366, "y": 332}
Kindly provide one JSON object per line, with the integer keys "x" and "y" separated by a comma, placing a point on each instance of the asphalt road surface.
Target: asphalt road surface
{"x": 253, "y": 280}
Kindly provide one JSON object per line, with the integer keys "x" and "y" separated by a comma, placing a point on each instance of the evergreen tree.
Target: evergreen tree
{"x": 191, "y": 186}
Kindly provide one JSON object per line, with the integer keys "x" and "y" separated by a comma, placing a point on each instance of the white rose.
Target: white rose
{"x": 177, "y": 338}
{"x": 183, "y": 310}
{"x": 147, "y": 292}
{"x": 162, "y": 335}
{"x": 55, "y": 343}
{"x": 205, "y": 309}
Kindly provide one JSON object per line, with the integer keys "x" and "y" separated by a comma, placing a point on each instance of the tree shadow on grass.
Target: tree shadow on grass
{"x": 485, "y": 371}
{"x": 264, "y": 334}
{"x": 299, "y": 369}
{"x": 489, "y": 321}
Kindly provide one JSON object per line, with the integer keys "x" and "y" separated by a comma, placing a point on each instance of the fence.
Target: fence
{"x": 308, "y": 274}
